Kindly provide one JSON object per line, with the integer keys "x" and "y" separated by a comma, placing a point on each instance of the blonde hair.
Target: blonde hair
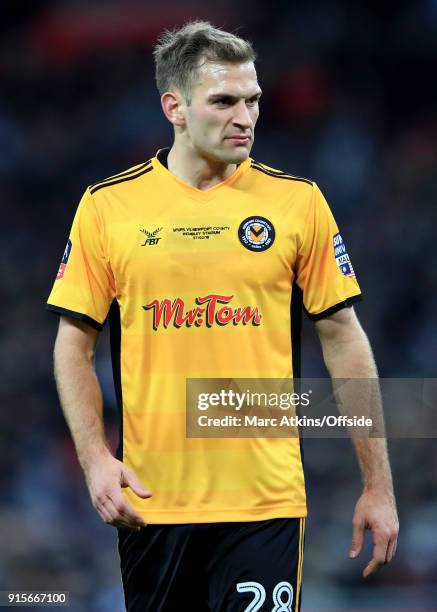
{"x": 179, "y": 52}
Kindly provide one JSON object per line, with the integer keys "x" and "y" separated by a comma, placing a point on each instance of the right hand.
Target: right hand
{"x": 105, "y": 479}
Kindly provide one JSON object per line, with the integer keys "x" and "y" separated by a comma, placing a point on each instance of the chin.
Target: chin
{"x": 236, "y": 156}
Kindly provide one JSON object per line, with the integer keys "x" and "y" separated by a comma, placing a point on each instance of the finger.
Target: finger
{"x": 117, "y": 518}
{"x": 98, "y": 500}
{"x": 380, "y": 549}
{"x": 129, "y": 479}
{"x": 372, "y": 567}
{"x": 125, "y": 525}
{"x": 357, "y": 537}
{"x": 104, "y": 514}
{"x": 124, "y": 511}
{"x": 391, "y": 550}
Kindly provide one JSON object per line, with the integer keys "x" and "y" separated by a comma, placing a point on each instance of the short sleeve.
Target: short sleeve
{"x": 84, "y": 287}
{"x": 324, "y": 270}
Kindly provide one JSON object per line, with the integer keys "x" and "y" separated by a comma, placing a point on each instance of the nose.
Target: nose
{"x": 242, "y": 117}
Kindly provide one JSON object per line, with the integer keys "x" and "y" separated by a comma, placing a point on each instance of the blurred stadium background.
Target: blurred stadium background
{"x": 350, "y": 100}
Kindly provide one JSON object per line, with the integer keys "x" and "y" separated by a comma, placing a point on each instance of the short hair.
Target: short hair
{"x": 178, "y": 54}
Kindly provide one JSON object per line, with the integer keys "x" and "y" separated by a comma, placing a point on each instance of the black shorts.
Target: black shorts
{"x": 213, "y": 567}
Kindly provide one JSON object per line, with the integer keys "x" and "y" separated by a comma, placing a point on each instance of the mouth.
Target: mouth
{"x": 237, "y": 139}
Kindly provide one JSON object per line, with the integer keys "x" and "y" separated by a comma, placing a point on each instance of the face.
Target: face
{"x": 220, "y": 121}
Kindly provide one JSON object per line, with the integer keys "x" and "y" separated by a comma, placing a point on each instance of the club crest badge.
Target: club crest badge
{"x": 256, "y": 233}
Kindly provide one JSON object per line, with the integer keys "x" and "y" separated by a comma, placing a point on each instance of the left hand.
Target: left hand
{"x": 375, "y": 510}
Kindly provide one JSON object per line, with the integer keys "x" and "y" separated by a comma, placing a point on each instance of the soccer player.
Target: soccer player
{"x": 194, "y": 256}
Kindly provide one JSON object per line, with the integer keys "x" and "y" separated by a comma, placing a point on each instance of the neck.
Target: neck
{"x": 196, "y": 170}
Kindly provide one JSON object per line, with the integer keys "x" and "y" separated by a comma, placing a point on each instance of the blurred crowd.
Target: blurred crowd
{"x": 350, "y": 101}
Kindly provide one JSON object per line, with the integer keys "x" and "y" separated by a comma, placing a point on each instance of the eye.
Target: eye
{"x": 223, "y": 101}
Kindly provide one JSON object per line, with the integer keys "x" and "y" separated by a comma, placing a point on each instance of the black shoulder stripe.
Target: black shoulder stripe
{"x": 121, "y": 174}
{"x": 280, "y": 174}
{"x": 264, "y": 167}
{"x": 121, "y": 180}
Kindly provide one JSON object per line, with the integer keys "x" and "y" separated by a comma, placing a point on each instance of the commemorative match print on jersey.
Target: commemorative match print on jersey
{"x": 201, "y": 232}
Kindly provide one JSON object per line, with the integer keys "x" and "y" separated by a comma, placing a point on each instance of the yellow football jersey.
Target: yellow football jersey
{"x": 203, "y": 284}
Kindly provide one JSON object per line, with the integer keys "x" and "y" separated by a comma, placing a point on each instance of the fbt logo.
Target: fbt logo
{"x": 151, "y": 239}
{"x": 211, "y": 309}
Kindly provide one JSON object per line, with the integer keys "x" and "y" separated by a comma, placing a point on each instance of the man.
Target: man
{"x": 196, "y": 254}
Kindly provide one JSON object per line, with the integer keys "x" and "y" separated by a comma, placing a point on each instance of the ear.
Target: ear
{"x": 173, "y": 106}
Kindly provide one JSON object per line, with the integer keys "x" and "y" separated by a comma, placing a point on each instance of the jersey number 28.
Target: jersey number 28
{"x": 283, "y": 590}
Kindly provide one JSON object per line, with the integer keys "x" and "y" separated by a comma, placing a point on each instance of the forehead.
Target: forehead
{"x": 232, "y": 79}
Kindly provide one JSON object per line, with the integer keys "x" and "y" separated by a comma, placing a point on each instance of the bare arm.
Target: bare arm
{"x": 79, "y": 390}
{"x": 82, "y": 405}
{"x": 347, "y": 355}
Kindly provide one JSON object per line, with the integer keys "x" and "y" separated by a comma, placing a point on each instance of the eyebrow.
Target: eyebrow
{"x": 219, "y": 96}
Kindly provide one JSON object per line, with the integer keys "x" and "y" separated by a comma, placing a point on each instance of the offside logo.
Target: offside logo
{"x": 211, "y": 309}
{"x": 256, "y": 233}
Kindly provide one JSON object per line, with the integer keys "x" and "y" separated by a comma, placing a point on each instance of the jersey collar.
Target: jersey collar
{"x": 160, "y": 164}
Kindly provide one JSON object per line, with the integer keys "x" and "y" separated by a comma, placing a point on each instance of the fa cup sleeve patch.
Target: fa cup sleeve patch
{"x": 64, "y": 260}
{"x": 341, "y": 257}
